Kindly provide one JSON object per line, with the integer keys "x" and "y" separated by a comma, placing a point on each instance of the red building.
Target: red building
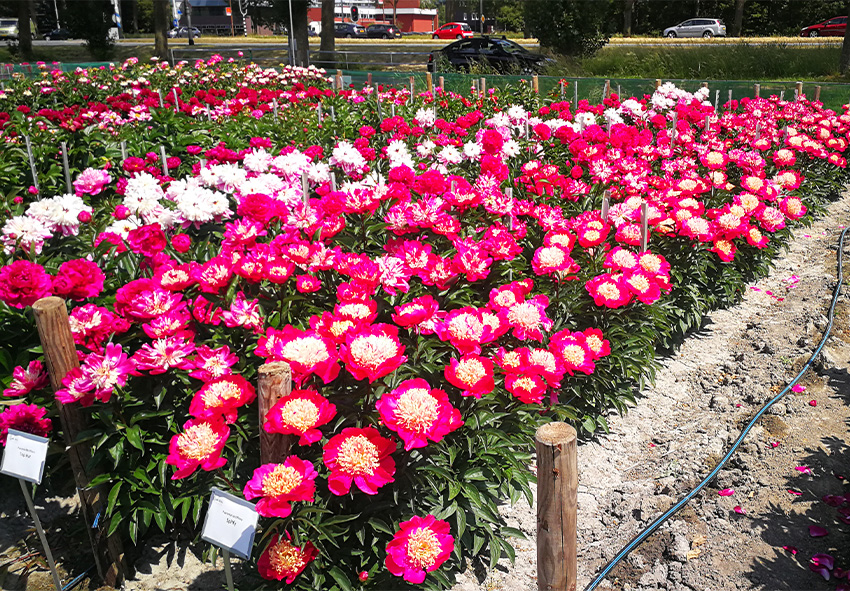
{"x": 410, "y": 17}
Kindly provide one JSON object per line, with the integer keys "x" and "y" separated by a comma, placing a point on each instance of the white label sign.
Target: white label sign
{"x": 24, "y": 456}
{"x": 231, "y": 523}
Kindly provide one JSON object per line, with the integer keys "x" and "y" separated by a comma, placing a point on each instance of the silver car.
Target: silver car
{"x": 697, "y": 27}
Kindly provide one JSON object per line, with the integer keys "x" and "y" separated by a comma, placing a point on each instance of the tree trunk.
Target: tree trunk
{"x": 135, "y": 8}
{"x": 395, "y": 19}
{"x": 844, "y": 63}
{"x": 738, "y": 23}
{"x": 627, "y": 18}
{"x": 327, "y": 43}
{"x": 24, "y": 32}
{"x": 451, "y": 9}
{"x": 300, "y": 32}
{"x": 160, "y": 28}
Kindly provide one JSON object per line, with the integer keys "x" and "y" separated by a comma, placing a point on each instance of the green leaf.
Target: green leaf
{"x": 340, "y": 578}
{"x": 380, "y": 525}
{"x": 113, "y": 497}
{"x": 134, "y": 437}
{"x": 513, "y": 532}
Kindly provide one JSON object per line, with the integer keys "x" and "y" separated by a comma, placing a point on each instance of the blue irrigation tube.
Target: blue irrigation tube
{"x": 76, "y": 581}
{"x": 650, "y": 529}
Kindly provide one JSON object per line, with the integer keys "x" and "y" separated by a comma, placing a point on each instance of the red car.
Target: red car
{"x": 452, "y": 31}
{"x": 834, "y": 27}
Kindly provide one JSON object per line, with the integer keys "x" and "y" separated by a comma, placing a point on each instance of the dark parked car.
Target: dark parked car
{"x": 348, "y": 30}
{"x": 58, "y": 35}
{"x": 382, "y": 31}
{"x": 834, "y": 27}
{"x": 184, "y": 32}
{"x": 500, "y": 54}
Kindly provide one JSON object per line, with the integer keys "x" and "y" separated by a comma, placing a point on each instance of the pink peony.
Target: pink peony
{"x": 78, "y": 279}
{"x": 22, "y": 283}
{"x": 91, "y": 182}
{"x": 420, "y": 546}
{"x": 28, "y": 418}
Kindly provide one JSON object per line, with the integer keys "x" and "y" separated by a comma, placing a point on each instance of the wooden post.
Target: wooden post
{"x": 705, "y": 85}
{"x": 429, "y": 82}
{"x": 369, "y": 79}
{"x": 442, "y": 84}
{"x": 757, "y": 90}
{"x": 657, "y": 83}
{"x": 535, "y": 84}
{"x": 274, "y": 383}
{"x": 483, "y": 85}
{"x": 817, "y": 93}
{"x": 338, "y": 80}
{"x": 51, "y": 319}
{"x": 606, "y": 93}
{"x": 799, "y": 88}
{"x": 557, "y": 500}
{"x": 412, "y": 86}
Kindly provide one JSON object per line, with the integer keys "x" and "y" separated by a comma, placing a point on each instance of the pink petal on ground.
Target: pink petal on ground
{"x": 726, "y": 492}
{"x": 817, "y": 531}
{"x": 737, "y": 406}
{"x": 838, "y": 476}
{"x": 774, "y": 444}
{"x": 768, "y": 292}
{"x": 738, "y": 509}
{"x": 813, "y": 402}
{"x": 820, "y": 570}
{"x": 840, "y": 573}
{"x": 832, "y": 500}
{"x": 843, "y": 587}
{"x": 844, "y": 519}
{"x": 825, "y": 560}
{"x": 803, "y": 469}
{"x": 798, "y": 388}
{"x": 794, "y": 492}
{"x": 791, "y": 549}
{"x": 780, "y": 299}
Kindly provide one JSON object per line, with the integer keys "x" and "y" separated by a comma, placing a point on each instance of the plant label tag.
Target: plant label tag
{"x": 24, "y": 456}
{"x": 230, "y": 523}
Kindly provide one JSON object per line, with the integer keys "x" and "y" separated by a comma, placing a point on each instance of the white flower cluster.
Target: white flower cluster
{"x": 196, "y": 204}
{"x": 142, "y": 197}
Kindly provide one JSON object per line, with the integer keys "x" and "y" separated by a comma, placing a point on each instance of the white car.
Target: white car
{"x": 314, "y": 29}
{"x": 697, "y": 27}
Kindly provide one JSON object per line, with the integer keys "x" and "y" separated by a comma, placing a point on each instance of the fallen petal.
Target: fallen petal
{"x": 820, "y": 570}
{"x": 803, "y": 469}
{"x": 825, "y": 560}
{"x": 794, "y": 492}
{"x": 817, "y": 531}
{"x": 833, "y": 500}
{"x": 798, "y": 388}
{"x": 843, "y": 587}
{"x": 726, "y": 492}
{"x": 738, "y": 509}
{"x": 813, "y": 402}
{"x": 791, "y": 549}
{"x": 774, "y": 444}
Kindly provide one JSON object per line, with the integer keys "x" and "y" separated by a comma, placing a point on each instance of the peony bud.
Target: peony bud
{"x": 122, "y": 212}
{"x": 84, "y": 217}
{"x": 181, "y": 242}
{"x": 363, "y": 576}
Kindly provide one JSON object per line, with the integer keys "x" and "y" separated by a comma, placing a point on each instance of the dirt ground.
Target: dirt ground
{"x": 705, "y": 393}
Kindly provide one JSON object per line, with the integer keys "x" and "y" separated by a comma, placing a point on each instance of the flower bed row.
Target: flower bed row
{"x": 435, "y": 269}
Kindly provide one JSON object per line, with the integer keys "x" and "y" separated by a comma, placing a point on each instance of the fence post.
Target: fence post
{"x": 369, "y": 79}
{"x": 817, "y": 93}
{"x": 535, "y": 84}
{"x": 799, "y": 88}
{"x": 54, "y": 331}
{"x": 443, "y": 83}
{"x": 606, "y": 93}
{"x": 657, "y": 83}
{"x": 429, "y": 82}
{"x": 757, "y": 90}
{"x": 338, "y": 80}
{"x": 557, "y": 501}
{"x": 274, "y": 382}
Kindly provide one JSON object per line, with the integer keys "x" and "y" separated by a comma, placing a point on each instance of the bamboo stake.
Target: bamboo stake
{"x": 557, "y": 502}
{"x": 54, "y": 331}
{"x": 274, "y": 383}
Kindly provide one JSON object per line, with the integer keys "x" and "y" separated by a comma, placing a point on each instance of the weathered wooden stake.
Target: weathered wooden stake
{"x": 606, "y": 90}
{"x": 704, "y": 84}
{"x": 369, "y": 79}
{"x": 164, "y": 161}
{"x": 274, "y": 383}
{"x": 51, "y": 320}
{"x": 535, "y": 84}
{"x": 429, "y": 81}
{"x": 757, "y": 90}
{"x": 798, "y": 90}
{"x": 483, "y": 86}
{"x": 338, "y": 80}
{"x": 557, "y": 501}
{"x": 606, "y": 203}
{"x": 817, "y": 93}
{"x": 657, "y": 83}
{"x": 412, "y": 86}
{"x": 442, "y": 83}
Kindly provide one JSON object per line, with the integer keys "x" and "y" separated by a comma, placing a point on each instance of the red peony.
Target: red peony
{"x": 78, "y": 279}
{"x": 22, "y": 283}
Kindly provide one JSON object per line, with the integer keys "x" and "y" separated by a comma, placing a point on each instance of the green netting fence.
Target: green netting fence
{"x": 833, "y": 95}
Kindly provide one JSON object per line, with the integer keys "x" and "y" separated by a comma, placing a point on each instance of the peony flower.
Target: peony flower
{"x": 199, "y": 445}
{"x": 147, "y": 240}
{"x": 279, "y": 484}
{"x": 222, "y": 397}
{"x": 359, "y": 456}
{"x": 372, "y": 352}
{"x": 301, "y": 413}
{"x": 22, "y": 283}
{"x": 527, "y": 388}
{"x": 28, "y": 418}
{"x": 163, "y": 354}
{"x": 415, "y": 312}
{"x": 420, "y": 546}
{"x": 91, "y": 182}
{"x": 108, "y": 370}
{"x": 78, "y": 279}
{"x": 306, "y": 352}
{"x": 212, "y": 363}
{"x": 552, "y": 259}
{"x": 465, "y": 329}
{"x": 528, "y": 318}
{"x": 609, "y": 290}
{"x": 418, "y": 413}
{"x": 471, "y": 373}
{"x": 24, "y": 381}
{"x": 282, "y": 560}
{"x": 76, "y": 387}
